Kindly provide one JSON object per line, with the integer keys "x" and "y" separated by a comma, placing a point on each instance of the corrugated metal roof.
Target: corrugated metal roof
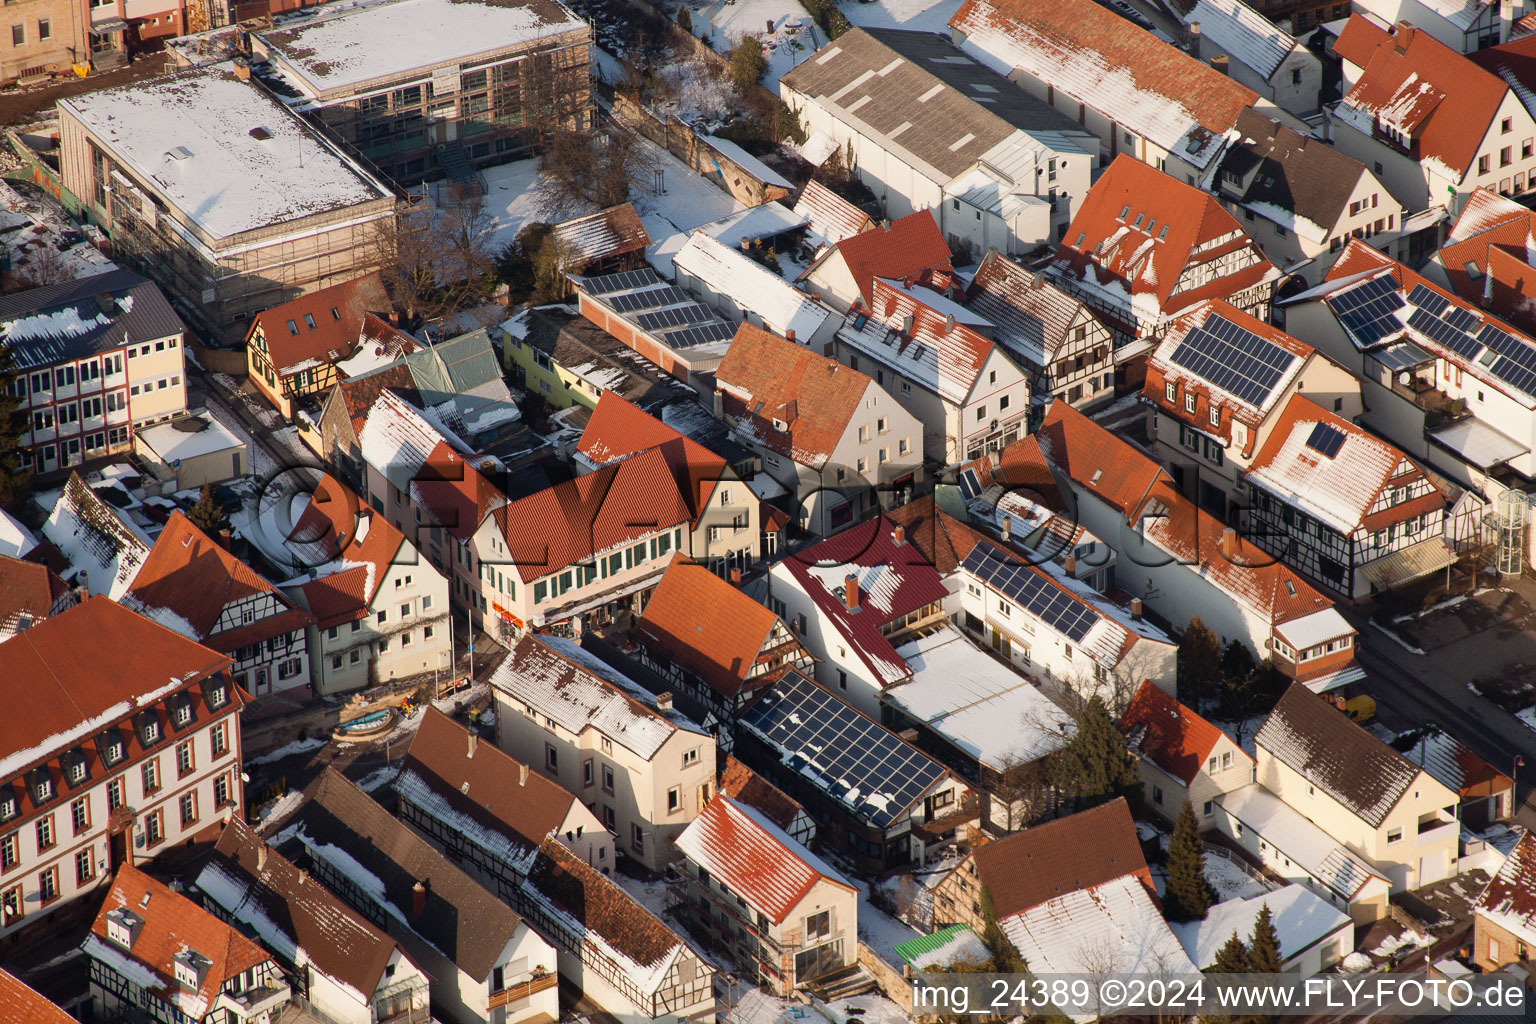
{"x": 64, "y": 321}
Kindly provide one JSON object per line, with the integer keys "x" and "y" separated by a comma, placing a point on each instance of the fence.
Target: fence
{"x": 887, "y": 978}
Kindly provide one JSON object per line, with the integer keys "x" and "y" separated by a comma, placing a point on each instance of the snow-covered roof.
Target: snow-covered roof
{"x": 936, "y": 357}
{"x": 95, "y": 540}
{"x": 1310, "y": 630}
{"x": 172, "y": 443}
{"x": 369, "y": 43}
{"x": 944, "y": 947}
{"x": 767, "y": 175}
{"x": 1109, "y": 928}
{"x": 561, "y": 681}
{"x": 1300, "y": 916}
{"x": 976, "y": 703}
{"x": 754, "y": 223}
{"x": 15, "y": 539}
{"x": 831, "y": 217}
{"x": 1295, "y": 837}
{"x": 229, "y": 156}
{"x": 1509, "y": 900}
{"x": 1244, "y": 34}
{"x": 726, "y": 271}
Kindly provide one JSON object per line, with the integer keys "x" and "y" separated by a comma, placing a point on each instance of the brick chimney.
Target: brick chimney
{"x": 736, "y": 576}
{"x": 473, "y": 739}
{"x": 664, "y": 702}
{"x": 1195, "y": 35}
{"x": 899, "y": 535}
{"x": 949, "y": 323}
{"x": 418, "y": 899}
{"x": 906, "y": 325}
{"x": 789, "y": 334}
{"x": 1007, "y": 528}
{"x": 1229, "y": 543}
{"x": 851, "y": 592}
{"x": 1136, "y": 609}
{"x": 1070, "y": 564}
{"x": 522, "y": 775}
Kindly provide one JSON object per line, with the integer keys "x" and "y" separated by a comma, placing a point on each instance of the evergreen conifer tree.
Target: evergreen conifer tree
{"x": 1188, "y": 895}
{"x": 1264, "y": 948}
{"x": 1095, "y": 767}
{"x": 1232, "y": 957}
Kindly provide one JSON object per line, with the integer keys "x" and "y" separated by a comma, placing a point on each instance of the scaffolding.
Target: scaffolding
{"x": 1509, "y": 522}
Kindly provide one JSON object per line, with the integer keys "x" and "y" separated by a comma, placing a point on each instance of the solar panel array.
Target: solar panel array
{"x": 1326, "y": 438}
{"x": 623, "y": 281}
{"x": 676, "y": 317}
{"x": 1234, "y": 359}
{"x": 1461, "y": 318}
{"x": 848, "y": 754}
{"x": 1402, "y": 355}
{"x": 1369, "y": 312}
{"x": 1425, "y": 297}
{"x": 1433, "y": 327}
{"x": 1032, "y": 592}
{"x": 650, "y": 298}
{"x": 1514, "y": 361}
{"x": 703, "y": 334}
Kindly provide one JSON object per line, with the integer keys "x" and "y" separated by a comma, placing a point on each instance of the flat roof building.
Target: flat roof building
{"x": 219, "y": 192}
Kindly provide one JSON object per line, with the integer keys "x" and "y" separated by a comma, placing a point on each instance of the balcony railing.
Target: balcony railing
{"x": 519, "y": 991}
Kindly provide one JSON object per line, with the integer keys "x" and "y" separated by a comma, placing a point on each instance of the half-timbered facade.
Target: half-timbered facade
{"x": 194, "y": 586}
{"x": 95, "y": 358}
{"x": 121, "y": 742}
{"x": 1345, "y": 509}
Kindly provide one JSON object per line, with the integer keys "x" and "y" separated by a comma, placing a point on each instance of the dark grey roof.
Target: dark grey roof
{"x": 461, "y": 919}
{"x": 64, "y": 321}
{"x": 571, "y": 341}
{"x": 973, "y": 100}
{"x": 1296, "y": 173}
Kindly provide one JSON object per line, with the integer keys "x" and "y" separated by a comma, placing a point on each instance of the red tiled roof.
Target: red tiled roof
{"x": 615, "y": 503}
{"x": 330, "y": 527}
{"x": 20, "y": 1004}
{"x": 458, "y": 495}
{"x": 755, "y": 864}
{"x": 707, "y": 626}
{"x": 745, "y": 786}
{"x": 339, "y": 314}
{"x": 172, "y": 923}
{"x": 1114, "y": 248}
{"x": 960, "y": 351}
{"x": 618, "y": 428}
{"x": 1510, "y": 898}
{"x": 944, "y": 540}
{"x": 1161, "y": 370}
{"x": 1493, "y": 236}
{"x": 906, "y": 247}
{"x": 56, "y": 685}
{"x": 1087, "y": 43}
{"x": 600, "y": 236}
{"x": 1082, "y": 850}
{"x": 360, "y": 393}
{"x": 1173, "y": 737}
{"x": 189, "y": 575}
{"x": 765, "y": 378}
{"x": 27, "y": 588}
{"x": 1096, "y": 459}
{"x": 1436, "y": 96}
{"x": 894, "y": 582}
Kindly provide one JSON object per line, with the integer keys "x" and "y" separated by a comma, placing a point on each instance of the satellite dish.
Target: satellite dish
{"x": 1405, "y": 378}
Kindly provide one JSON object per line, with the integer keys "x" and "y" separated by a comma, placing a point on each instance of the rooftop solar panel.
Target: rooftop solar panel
{"x": 1461, "y": 319}
{"x": 650, "y": 298}
{"x": 851, "y": 757}
{"x": 1383, "y": 287}
{"x": 703, "y": 334}
{"x": 1326, "y": 438}
{"x": 1514, "y": 374}
{"x": 622, "y": 281}
{"x": 676, "y": 317}
{"x": 1402, "y": 356}
{"x": 1433, "y": 327}
{"x": 1233, "y": 359}
{"x": 1426, "y": 297}
{"x": 1033, "y": 592}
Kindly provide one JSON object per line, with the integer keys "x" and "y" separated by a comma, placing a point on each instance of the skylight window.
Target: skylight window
{"x": 1125, "y": 211}
{"x": 1326, "y": 439}
{"x": 1139, "y": 218}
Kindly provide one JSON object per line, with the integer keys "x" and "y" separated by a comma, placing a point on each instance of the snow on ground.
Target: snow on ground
{"x": 1528, "y": 716}
{"x": 879, "y": 930}
{"x": 876, "y": 1010}
{"x": 1404, "y": 941}
{"x": 915, "y": 15}
{"x": 794, "y": 35}
{"x": 703, "y": 95}
{"x": 1355, "y": 962}
{"x": 1230, "y": 881}
{"x": 280, "y": 807}
{"x": 758, "y": 1007}
{"x": 688, "y": 198}
{"x": 516, "y": 195}
{"x": 378, "y": 778}
{"x": 291, "y": 750}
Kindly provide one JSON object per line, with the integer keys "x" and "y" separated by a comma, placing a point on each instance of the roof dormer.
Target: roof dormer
{"x": 123, "y": 926}
{"x": 191, "y": 968}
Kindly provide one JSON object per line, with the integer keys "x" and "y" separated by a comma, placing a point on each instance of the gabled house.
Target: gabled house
{"x": 1504, "y": 916}
{"x": 1303, "y": 200}
{"x": 1056, "y": 338}
{"x": 605, "y": 242}
{"x": 1251, "y": 48}
{"x": 1465, "y": 26}
{"x": 1217, "y": 384}
{"x": 380, "y": 610}
{"x": 733, "y": 283}
{"x": 154, "y": 954}
{"x": 928, "y": 351}
{"x": 192, "y": 585}
{"x": 1485, "y": 260}
{"x": 487, "y": 811}
{"x": 568, "y": 360}
{"x": 829, "y": 217}
{"x": 637, "y": 763}
{"x": 1146, "y": 247}
{"x": 1182, "y": 756}
{"x": 1441, "y": 378}
{"x": 1436, "y": 124}
{"x": 844, "y": 272}
{"x": 931, "y": 128}
{"x": 1348, "y": 510}
{"x": 344, "y": 966}
{"x": 1028, "y": 868}
{"x": 876, "y": 799}
{"x": 482, "y": 957}
{"x": 750, "y": 789}
{"x": 98, "y": 549}
{"x": 785, "y": 915}
{"x": 1313, "y": 935}
{"x": 1141, "y": 96}
{"x": 30, "y": 593}
{"x": 1176, "y": 558}
{"x": 1369, "y": 798}
{"x": 837, "y": 441}
{"x": 713, "y": 646}
{"x": 723, "y": 517}
{"x": 123, "y": 742}
{"x": 305, "y": 346}
{"x": 95, "y": 360}
{"x": 1487, "y": 794}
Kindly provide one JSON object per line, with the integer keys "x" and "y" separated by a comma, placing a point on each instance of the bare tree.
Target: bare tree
{"x": 434, "y": 259}
{"x": 594, "y": 168}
